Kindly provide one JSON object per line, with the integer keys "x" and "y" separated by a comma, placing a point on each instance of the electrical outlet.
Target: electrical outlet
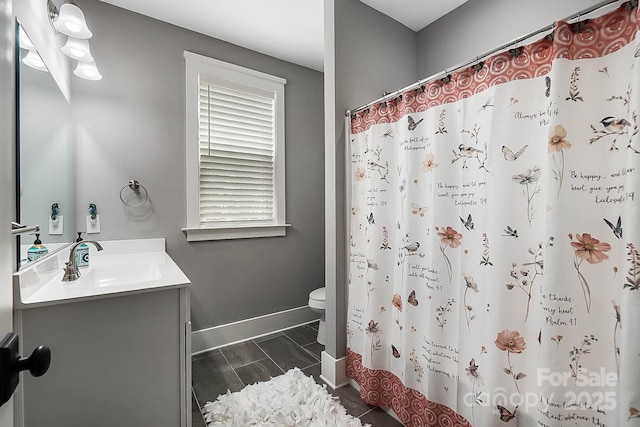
{"x": 93, "y": 225}
{"x": 57, "y": 226}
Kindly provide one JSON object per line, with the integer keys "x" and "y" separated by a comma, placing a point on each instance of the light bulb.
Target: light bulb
{"x": 73, "y": 27}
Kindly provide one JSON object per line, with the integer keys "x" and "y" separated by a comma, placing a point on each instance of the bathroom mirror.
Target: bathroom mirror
{"x": 45, "y": 155}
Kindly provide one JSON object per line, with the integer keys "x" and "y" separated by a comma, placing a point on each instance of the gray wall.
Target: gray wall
{"x": 131, "y": 124}
{"x": 371, "y": 54}
{"x": 481, "y": 25}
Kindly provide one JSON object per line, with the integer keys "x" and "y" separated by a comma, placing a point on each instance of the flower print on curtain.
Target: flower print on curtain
{"x": 593, "y": 251}
{"x": 557, "y": 144}
{"x": 494, "y": 275}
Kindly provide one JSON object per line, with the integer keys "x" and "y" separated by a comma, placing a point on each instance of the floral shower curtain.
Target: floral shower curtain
{"x": 494, "y": 264}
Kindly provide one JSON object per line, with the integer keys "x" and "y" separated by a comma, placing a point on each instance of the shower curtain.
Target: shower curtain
{"x": 494, "y": 247}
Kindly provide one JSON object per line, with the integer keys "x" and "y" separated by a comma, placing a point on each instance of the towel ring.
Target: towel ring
{"x": 135, "y": 186}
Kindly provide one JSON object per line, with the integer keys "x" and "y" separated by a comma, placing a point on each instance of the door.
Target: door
{"x": 7, "y": 181}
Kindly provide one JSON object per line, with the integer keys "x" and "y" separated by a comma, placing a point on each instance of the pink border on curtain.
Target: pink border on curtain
{"x": 600, "y": 36}
{"x": 378, "y": 387}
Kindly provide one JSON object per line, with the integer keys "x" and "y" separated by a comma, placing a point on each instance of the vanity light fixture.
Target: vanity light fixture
{"x": 69, "y": 20}
{"x": 87, "y": 71}
{"x": 33, "y": 60}
{"x": 77, "y": 49}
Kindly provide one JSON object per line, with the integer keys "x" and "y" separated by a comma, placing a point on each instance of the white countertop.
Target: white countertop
{"x": 123, "y": 267}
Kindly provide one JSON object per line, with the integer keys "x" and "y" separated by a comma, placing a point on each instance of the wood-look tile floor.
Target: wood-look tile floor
{"x": 233, "y": 367}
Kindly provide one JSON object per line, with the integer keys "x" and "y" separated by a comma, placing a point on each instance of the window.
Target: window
{"x": 234, "y": 151}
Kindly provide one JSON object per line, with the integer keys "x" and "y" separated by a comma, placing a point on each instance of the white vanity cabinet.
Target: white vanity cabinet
{"x": 117, "y": 358}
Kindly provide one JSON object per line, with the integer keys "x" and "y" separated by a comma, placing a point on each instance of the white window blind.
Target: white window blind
{"x": 237, "y": 143}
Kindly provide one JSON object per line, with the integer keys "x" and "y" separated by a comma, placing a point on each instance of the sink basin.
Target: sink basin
{"x": 123, "y": 275}
{"x": 122, "y": 267}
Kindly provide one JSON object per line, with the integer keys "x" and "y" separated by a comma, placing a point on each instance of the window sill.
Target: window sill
{"x": 240, "y": 232}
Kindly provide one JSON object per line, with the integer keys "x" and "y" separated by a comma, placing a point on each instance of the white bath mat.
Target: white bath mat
{"x": 291, "y": 399}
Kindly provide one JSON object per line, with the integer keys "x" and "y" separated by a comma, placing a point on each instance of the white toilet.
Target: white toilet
{"x": 317, "y": 303}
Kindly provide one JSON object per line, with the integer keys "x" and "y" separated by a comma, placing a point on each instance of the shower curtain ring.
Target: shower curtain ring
{"x": 478, "y": 65}
{"x": 447, "y": 77}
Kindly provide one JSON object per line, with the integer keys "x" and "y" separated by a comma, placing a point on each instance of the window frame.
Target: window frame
{"x": 220, "y": 72}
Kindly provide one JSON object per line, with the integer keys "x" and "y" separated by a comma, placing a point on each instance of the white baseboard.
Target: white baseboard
{"x": 334, "y": 371}
{"x": 219, "y": 336}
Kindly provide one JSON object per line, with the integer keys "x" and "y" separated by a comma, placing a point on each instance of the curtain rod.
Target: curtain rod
{"x": 447, "y": 71}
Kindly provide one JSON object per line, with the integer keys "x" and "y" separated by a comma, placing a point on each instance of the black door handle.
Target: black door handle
{"x": 38, "y": 363}
{"x": 11, "y": 364}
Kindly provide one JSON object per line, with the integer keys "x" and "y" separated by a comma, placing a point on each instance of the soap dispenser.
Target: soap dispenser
{"x": 37, "y": 251}
{"x": 82, "y": 252}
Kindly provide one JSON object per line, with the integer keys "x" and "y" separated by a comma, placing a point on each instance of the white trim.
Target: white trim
{"x": 185, "y": 357}
{"x": 191, "y": 112}
{"x": 219, "y": 233}
{"x": 334, "y": 371}
{"x": 211, "y": 62}
{"x": 330, "y": 222}
{"x": 231, "y": 333}
{"x": 216, "y": 70}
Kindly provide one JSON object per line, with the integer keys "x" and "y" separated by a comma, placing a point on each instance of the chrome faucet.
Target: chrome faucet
{"x": 71, "y": 271}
